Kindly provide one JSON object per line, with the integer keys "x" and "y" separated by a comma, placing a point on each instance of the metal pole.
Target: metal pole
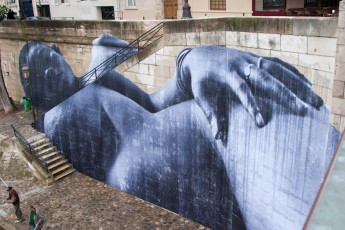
{"x": 3, "y": 182}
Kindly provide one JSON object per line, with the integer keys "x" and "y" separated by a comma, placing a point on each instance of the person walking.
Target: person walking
{"x": 13, "y": 198}
{"x": 36, "y": 219}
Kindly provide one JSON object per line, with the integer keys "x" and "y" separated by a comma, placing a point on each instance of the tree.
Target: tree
{"x": 3, "y": 12}
{"x": 4, "y": 98}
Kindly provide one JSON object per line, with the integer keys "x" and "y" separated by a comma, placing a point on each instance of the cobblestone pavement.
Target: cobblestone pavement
{"x": 78, "y": 201}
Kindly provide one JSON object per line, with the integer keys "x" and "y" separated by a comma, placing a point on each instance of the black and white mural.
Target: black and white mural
{"x": 232, "y": 141}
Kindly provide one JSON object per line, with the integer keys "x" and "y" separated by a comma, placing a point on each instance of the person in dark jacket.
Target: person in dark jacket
{"x": 13, "y": 198}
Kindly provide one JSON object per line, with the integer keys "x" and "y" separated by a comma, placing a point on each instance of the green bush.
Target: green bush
{"x": 3, "y": 12}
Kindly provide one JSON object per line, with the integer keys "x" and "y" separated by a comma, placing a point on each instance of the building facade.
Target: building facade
{"x": 169, "y": 9}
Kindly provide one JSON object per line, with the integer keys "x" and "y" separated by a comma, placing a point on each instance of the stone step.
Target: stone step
{"x": 40, "y": 147}
{"x": 36, "y": 137}
{"x": 46, "y": 150}
{"x": 50, "y": 161}
{"x": 64, "y": 174}
{"x": 44, "y": 157}
{"x": 63, "y": 167}
{"x": 60, "y": 162}
{"x": 39, "y": 142}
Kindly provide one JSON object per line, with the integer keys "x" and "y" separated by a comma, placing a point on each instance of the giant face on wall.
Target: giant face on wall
{"x": 233, "y": 141}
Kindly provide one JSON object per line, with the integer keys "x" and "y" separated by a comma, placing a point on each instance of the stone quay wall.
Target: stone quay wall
{"x": 312, "y": 45}
{"x": 338, "y": 102}
{"x": 74, "y": 38}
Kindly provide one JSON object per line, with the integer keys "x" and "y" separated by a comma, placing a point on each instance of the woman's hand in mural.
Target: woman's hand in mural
{"x": 248, "y": 77}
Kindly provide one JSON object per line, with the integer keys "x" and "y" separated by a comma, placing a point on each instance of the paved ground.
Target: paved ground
{"x": 79, "y": 202}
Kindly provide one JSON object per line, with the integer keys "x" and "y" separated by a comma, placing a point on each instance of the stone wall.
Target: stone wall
{"x": 338, "y": 103}
{"x": 309, "y": 44}
{"x": 73, "y": 37}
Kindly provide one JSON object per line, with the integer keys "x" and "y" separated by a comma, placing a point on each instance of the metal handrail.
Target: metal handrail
{"x": 32, "y": 151}
{"x": 100, "y": 70}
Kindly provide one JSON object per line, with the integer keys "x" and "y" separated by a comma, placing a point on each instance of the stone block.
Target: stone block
{"x": 341, "y": 36}
{"x": 150, "y": 60}
{"x": 143, "y": 69}
{"x": 134, "y": 69}
{"x": 173, "y": 50}
{"x": 322, "y": 79}
{"x": 177, "y": 39}
{"x": 249, "y": 39}
{"x": 213, "y": 38}
{"x": 165, "y": 60}
{"x": 237, "y": 47}
{"x": 172, "y": 72}
{"x": 339, "y": 71}
{"x": 160, "y": 51}
{"x": 289, "y": 57}
{"x": 151, "y": 89}
{"x": 261, "y": 52}
{"x": 335, "y": 120}
{"x": 340, "y": 53}
{"x": 232, "y": 38}
{"x": 342, "y": 5}
{"x": 130, "y": 75}
{"x": 296, "y": 44}
{"x": 307, "y": 72}
{"x": 269, "y": 41}
{"x": 145, "y": 79}
{"x": 325, "y": 94}
{"x": 341, "y": 19}
{"x": 319, "y": 27}
{"x": 338, "y": 106}
{"x": 160, "y": 81}
{"x": 159, "y": 71}
{"x": 338, "y": 89}
{"x": 322, "y": 46}
{"x": 317, "y": 62}
{"x": 342, "y": 124}
{"x": 193, "y": 39}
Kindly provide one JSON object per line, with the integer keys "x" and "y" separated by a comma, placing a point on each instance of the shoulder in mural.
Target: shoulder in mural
{"x": 232, "y": 141}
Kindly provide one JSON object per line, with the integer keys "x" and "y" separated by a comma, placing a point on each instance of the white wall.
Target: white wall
{"x": 148, "y": 9}
{"x": 201, "y": 8}
{"x": 80, "y": 10}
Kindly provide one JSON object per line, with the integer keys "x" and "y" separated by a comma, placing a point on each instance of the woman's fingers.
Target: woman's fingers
{"x": 214, "y": 106}
{"x": 274, "y": 89}
{"x": 262, "y": 63}
{"x": 240, "y": 88}
{"x": 292, "y": 79}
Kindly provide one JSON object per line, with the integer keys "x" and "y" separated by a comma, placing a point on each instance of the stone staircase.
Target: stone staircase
{"x": 49, "y": 155}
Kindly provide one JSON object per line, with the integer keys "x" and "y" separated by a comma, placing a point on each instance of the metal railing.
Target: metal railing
{"x": 27, "y": 145}
{"x": 100, "y": 70}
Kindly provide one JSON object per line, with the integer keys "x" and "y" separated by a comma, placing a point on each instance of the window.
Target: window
{"x": 131, "y": 3}
{"x": 274, "y": 4}
{"x": 107, "y": 12}
{"x": 218, "y": 4}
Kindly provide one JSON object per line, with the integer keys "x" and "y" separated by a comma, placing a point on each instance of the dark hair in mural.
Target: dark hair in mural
{"x": 232, "y": 141}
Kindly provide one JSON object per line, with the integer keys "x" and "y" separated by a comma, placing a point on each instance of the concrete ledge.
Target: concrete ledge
{"x": 301, "y": 26}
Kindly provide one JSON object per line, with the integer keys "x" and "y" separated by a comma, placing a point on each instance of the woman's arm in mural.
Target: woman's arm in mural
{"x": 216, "y": 76}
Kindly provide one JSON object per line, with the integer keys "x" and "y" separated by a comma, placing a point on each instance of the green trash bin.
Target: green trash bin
{"x": 27, "y": 104}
